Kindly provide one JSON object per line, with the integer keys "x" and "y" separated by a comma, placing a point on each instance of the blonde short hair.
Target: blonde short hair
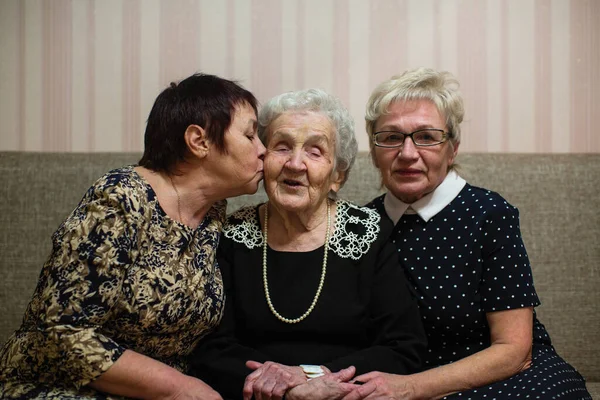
{"x": 439, "y": 87}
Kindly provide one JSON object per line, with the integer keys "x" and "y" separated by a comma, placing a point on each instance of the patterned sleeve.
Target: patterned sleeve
{"x": 78, "y": 287}
{"x": 507, "y": 281}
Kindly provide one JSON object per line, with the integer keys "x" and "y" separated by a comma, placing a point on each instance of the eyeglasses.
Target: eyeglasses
{"x": 422, "y": 137}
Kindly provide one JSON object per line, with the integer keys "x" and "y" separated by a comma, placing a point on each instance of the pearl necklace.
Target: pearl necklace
{"x": 264, "y": 270}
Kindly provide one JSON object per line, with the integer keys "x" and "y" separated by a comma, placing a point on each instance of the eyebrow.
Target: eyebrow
{"x": 253, "y": 123}
{"x": 396, "y": 128}
{"x": 317, "y": 137}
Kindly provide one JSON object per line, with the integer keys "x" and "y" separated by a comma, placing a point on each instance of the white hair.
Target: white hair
{"x": 319, "y": 101}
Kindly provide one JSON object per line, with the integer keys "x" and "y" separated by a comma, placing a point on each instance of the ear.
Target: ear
{"x": 336, "y": 183}
{"x": 374, "y": 157}
{"x": 454, "y": 150}
{"x": 196, "y": 141}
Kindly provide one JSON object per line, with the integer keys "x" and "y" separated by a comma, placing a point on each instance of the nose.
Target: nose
{"x": 296, "y": 162}
{"x": 408, "y": 150}
{"x": 261, "y": 150}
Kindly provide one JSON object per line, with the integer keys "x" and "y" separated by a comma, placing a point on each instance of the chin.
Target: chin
{"x": 290, "y": 204}
{"x": 252, "y": 189}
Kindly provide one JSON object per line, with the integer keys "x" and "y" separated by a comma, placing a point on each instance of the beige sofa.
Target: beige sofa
{"x": 558, "y": 196}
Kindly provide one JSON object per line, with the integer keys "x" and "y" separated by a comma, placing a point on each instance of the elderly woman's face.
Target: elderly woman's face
{"x": 410, "y": 172}
{"x": 300, "y": 160}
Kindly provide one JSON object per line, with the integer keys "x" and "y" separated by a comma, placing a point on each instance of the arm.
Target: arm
{"x": 509, "y": 354}
{"x": 78, "y": 292}
{"x": 508, "y": 298}
{"x": 137, "y": 376}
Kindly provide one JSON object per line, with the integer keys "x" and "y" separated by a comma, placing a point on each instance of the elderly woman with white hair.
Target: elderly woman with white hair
{"x": 461, "y": 250}
{"x": 312, "y": 283}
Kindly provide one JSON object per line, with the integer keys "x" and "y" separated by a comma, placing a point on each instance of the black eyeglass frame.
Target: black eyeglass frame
{"x": 444, "y": 138}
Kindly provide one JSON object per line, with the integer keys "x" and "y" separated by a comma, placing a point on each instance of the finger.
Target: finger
{"x": 263, "y": 386}
{"x": 279, "y": 390}
{"x": 344, "y": 375}
{"x": 361, "y": 392}
{"x": 263, "y": 389}
{"x": 367, "y": 377}
{"x": 268, "y": 389}
{"x": 248, "y": 389}
{"x": 253, "y": 365}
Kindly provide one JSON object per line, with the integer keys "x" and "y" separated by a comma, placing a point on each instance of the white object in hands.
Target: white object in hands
{"x": 312, "y": 371}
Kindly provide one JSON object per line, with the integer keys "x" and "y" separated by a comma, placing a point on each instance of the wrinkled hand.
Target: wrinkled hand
{"x": 331, "y": 386}
{"x": 380, "y": 386}
{"x": 270, "y": 380}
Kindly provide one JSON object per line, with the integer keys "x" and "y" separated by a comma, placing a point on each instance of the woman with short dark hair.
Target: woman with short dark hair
{"x": 131, "y": 285}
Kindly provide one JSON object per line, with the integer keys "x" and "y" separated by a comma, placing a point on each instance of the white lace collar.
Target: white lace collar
{"x": 356, "y": 228}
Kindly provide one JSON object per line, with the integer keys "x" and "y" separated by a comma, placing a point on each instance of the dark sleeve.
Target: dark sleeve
{"x": 507, "y": 281}
{"x": 396, "y": 332}
{"x": 219, "y": 359}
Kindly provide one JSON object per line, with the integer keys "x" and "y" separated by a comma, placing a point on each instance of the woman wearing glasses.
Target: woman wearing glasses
{"x": 460, "y": 247}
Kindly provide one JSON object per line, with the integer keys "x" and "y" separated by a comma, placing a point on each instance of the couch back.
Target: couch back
{"x": 558, "y": 197}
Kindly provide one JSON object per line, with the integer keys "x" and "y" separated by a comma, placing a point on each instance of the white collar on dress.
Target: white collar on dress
{"x": 356, "y": 229}
{"x": 428, "y": 205}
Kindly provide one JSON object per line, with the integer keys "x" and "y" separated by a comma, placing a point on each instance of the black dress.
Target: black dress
{"x": 468, "y": 260}
{"x": 365, "y": 315}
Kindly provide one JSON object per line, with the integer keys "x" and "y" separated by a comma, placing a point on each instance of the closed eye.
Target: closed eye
{"x": 281, "y": 148}
{"x": 315, "y": 151}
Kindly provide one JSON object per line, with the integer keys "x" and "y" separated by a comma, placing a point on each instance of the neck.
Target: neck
{"x": 297, "y": 232}
{"x": 193, "y": 201}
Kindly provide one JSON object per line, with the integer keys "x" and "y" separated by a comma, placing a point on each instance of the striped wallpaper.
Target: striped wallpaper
{"x": 81, "y": 75}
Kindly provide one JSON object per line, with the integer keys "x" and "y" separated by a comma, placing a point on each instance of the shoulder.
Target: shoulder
{"x": 484, "y": 198}
{"x": 121, "y": 187}
{"x": 489, "y": 205}
{"x": 122, "y": 181}
{"x": 242, "y": 226}
{"x": 117, "y": 195}
{"x": 377, "y": 204}
{"x": 357, "y": 229}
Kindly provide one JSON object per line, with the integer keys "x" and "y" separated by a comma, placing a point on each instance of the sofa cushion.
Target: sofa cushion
{"x": 557, "y": 195}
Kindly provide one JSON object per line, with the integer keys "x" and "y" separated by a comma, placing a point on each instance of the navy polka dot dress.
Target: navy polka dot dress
{"x": 467, "y": 260}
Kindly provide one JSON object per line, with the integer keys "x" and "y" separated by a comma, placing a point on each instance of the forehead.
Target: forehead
{"x": 244, "y": 112}
{"x": 413, "y": 113}
{"x": 304, "y": 122}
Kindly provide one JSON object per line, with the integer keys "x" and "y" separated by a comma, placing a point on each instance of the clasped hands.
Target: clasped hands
{"x": 273, "y": 381}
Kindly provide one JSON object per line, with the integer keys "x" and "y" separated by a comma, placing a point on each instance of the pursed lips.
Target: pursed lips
{"x": 408, "y": 171}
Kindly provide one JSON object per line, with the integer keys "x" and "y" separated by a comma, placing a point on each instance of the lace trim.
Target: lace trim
{"x": 356, "y": 228}
{"x": 242, "y": 227}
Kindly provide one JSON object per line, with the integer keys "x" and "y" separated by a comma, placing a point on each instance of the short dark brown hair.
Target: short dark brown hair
{"x": 204, "y": 100}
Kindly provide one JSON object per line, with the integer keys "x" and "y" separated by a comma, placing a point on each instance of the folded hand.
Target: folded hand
{"x": 331, "y": 386}
{"x": 270, "y": 381}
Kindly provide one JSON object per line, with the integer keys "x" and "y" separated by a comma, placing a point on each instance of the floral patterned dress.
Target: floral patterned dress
{"x": 121, "y": 275}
